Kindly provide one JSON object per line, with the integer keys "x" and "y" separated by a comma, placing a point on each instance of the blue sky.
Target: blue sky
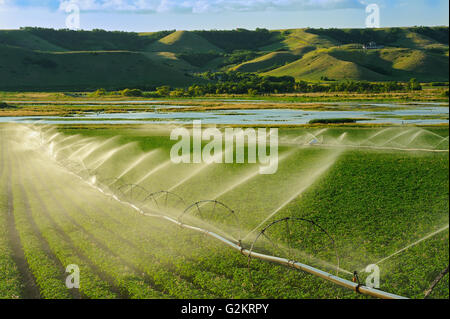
{"x": 154, "y": 15}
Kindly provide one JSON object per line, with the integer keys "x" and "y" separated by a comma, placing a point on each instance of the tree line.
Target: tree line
{"x": 238, "y": 83}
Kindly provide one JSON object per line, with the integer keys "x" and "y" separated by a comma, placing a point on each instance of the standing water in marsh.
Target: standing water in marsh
{"x": 421, "y": 114}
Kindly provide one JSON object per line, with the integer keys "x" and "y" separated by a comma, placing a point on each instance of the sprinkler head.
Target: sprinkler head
{"x": 355, "y": 278}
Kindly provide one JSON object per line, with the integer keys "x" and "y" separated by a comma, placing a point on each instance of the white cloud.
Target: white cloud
{"x": 5, "y": 5}
{"x": 209, "y": 6}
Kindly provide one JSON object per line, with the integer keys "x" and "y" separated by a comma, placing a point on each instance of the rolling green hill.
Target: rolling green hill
{"x": 372, "y": 65}
{"x": 269, "y": 60}
{"x": 27, "y": 40}
{"x": 46, "y": 59}
{"x": 183, "y": 41}
{"x": 321, "y": 63}
{"x": 83, "y": 70}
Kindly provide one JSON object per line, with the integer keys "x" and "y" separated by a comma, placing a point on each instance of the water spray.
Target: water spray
{"x": 94, "y": 183}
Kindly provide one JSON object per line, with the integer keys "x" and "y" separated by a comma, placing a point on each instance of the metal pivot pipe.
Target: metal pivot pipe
{"x": 290, "y": 263}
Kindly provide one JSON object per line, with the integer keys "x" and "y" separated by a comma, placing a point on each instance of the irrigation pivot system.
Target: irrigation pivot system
{"x": 232, "y": 243}
{"x": 358, "y": 288}
{"x": 201, "y": 215}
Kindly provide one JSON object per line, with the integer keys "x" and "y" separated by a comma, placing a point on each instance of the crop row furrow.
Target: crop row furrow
{"x": 45, "y": 268}
{"x": 11, "y": 285}
{"x": 171, "y": 260}
{"x": 145, "y": 255}
{"x": 142, "y": 261}
{"x": 94, "y": 283}
{"x": 129, "y": 281}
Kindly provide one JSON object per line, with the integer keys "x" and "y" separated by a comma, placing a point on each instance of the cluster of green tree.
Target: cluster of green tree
{"x": 240, "y": 39}
{"x": 440, "y": 34}
{"x": 96, "y": 39}
{"x": 239, "y": 56}
{"x": 414, "y": 85}
{"x": 362, "y": 87}
{"x": 132, "y": 92}
{"x": 233, "y": 82}
{"x": 229, "y": 76}
{"x": 200, "y": 59}
{"x": 349, "y": 36}
{"x": 100, "y": 92}
{"x": 125, "y": 92}
{"x": 230, "y": 83}
{"x": 254, "y": 85}
{"x": 264, "y": 85}
{"x": 381, "y": 36}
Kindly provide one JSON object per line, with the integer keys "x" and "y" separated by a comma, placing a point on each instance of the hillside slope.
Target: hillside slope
{"x": 269, "y": 60}
{"x": 319, "y": 64}
{"x": 29, "y": 70}
{"x": 183, "y": 41}
{"x": 372, "y": 65}
{"x": 36, "y": 58}
{"x": 27, "y": 40}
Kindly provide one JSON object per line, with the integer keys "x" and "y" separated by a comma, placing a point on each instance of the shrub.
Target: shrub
{"x": 4, "y": 105}
{"x": 240, "y": 56}
{"x": 326, "y": 78}
{"x": 414, "y": 85}
{"x": 100, "y": 92}
{"x": 163, "y": 90}
{"x": 132, "y": 92}
{"x": 177, "y": 93}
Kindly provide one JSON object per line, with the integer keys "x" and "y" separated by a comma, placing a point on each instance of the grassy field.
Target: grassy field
{"x": 374, "y": 190}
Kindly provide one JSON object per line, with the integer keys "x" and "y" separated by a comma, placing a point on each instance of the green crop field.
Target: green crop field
{"x": 93, "y": 196}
